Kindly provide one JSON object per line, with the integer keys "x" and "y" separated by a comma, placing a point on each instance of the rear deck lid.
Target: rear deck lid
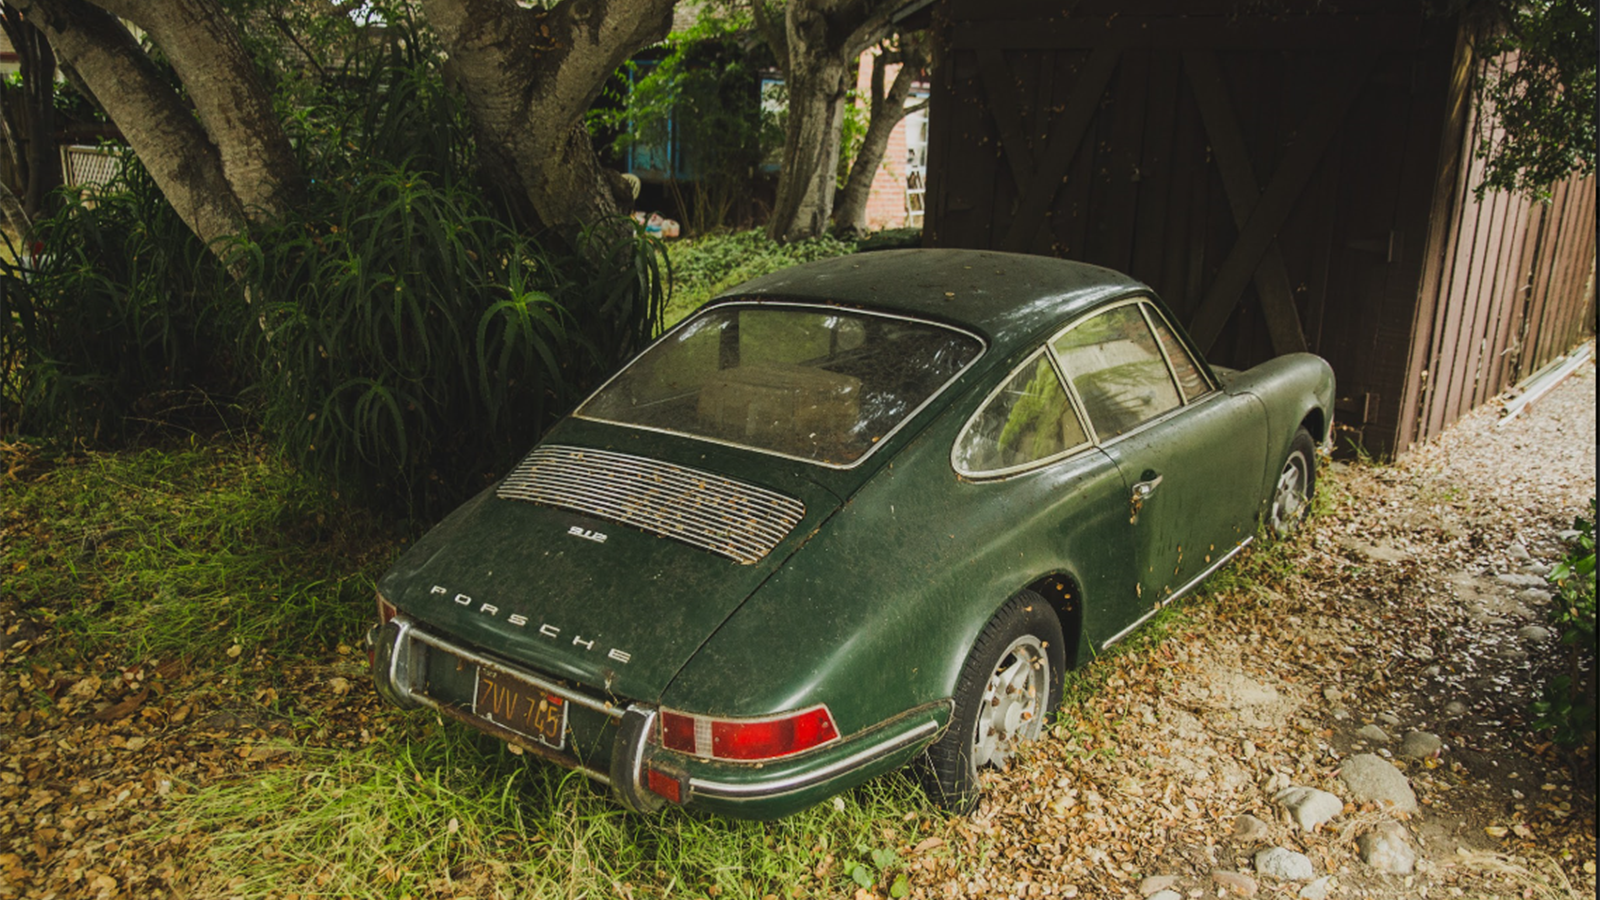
{"x": 607, "y": 568}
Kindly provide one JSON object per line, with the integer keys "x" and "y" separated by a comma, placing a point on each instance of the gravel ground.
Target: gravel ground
{"x": 1391, "y": 612}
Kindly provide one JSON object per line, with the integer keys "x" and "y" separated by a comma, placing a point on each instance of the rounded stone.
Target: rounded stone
{"x": 1235, "y": 882}
{"x": 1248, "y": 829}
{"x": 1374, "y": 734}
{"x": 1534, "y": 634}
{"x": 1155, "y": 884}
{"x": 1387, "y": 848}
{"x": 1373, "y": 779}
{"x": 1284, "y": 864}
{"x": 1309, "y": 807}
{"x": 1420, "y": 744}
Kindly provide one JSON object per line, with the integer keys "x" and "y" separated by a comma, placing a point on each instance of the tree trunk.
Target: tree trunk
{"x": 173, "y": 147}
{"x": 229, "y": 98}
{"x": 807, "y": 182}
{"x": 819, "y": 42}
{"x": 12, "y": 213}
{"x": 528, "y": 76}
{"x": 30, "y": 115}
{"x": 887, "y": 110}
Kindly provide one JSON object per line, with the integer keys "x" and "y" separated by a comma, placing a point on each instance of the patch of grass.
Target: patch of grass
{"x": 159, "y": 553}
{"x": 706, "y": 266}
{"x": 444, "y": 812}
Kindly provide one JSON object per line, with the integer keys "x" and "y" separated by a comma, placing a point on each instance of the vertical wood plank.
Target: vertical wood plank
{"x": 1121, "y": 162}
{"x": 1066, "y": 135}
{"x": 1444, "y": 223}
{"x": 1156, "y": 163}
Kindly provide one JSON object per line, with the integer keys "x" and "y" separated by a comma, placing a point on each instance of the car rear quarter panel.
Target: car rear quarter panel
{"x": 876, "y": 613}
{"x": 1295, "y": 388}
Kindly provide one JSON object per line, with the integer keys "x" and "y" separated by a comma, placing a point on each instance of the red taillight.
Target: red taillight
{"x": 665, "y": 785}
{"x": 677, "y": 732}
{"x": 747, "y": 740}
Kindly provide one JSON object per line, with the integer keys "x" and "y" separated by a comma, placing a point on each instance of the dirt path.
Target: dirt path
{"x": 1407, "y": 608}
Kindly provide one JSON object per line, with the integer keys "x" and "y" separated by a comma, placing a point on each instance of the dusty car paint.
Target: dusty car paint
{"x": 870, "y": 603}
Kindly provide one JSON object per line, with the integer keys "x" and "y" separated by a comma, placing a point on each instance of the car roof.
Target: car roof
{"x": 1006, "y": 297}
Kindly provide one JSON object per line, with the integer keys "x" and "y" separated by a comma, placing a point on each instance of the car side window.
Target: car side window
{"x": 1028, "y": 420}
{"x": 1117, "y": 369}
{"x": 1190, "y": 379}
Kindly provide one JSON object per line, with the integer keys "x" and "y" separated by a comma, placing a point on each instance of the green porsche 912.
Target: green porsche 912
{"x": 858, "y": 513}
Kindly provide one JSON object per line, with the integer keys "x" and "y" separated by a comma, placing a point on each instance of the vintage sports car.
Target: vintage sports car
{"x": 853, "y": 514}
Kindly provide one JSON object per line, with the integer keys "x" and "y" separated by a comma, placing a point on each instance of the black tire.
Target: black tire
{"x": 1297, "y": 482}
{"x": 1020, "y": 653}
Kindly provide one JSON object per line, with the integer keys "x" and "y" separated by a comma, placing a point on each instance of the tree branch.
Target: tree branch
{"x": 171, "y": 144}
{"x": 229, "y": 97}
{"x": 774, "y": 36}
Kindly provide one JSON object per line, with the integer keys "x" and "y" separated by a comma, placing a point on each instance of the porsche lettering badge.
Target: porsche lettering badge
{"x": 545, "y": 629}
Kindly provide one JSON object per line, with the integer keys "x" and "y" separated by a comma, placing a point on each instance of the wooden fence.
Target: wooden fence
{"x": 1515, "y": 290}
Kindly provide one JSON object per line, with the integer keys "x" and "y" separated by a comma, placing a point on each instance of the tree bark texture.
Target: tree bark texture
{"x": 165, "y": 135}
{"x": 821, "y": 38}
{"x": 229, "y": 98}
{"x": 528, "y": 76}
{"x": 887, "y": 109}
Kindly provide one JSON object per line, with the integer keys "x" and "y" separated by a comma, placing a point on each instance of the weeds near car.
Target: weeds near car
{"x": 220, "y": 553}
{"x": 1568, "y": 705}
{"x": 443, "y": 812}
{"x": 187, "y": 552}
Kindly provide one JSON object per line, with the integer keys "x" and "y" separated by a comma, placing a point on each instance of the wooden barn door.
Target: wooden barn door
{"x": 1271, "y": 179}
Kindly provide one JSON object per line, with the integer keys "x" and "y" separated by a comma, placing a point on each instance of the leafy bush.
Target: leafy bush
{"x": 1568, "y": 707}
{"x": 112, "y": 323}
{"x": 397, "y": 332}
{"x": 706, "y": 266}
{"x": 695, "y": 110}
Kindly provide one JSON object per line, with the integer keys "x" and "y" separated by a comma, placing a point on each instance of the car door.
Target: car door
{"x": 1031, "y": 453}
{"x": 1190, "y": 455}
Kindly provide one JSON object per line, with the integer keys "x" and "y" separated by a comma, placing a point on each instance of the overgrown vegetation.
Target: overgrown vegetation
{"x": 220, "y": 553}
{"x": 1539, "y": 86}
{"x": 114, "y": 321}
{"x": 697, "y": 110}
{"x": 186, "y": 551}
{"x": 1568, "y": 706}
{"x": 442, "y": 812}
{"x": 706, "y": 266}
{"x": 398, "y": 333}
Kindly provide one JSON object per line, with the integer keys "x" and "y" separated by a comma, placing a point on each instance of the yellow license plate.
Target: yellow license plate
{"x": 521, "y": 707}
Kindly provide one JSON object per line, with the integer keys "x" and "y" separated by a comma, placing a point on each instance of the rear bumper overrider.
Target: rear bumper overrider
{"x": 747, "y": 790}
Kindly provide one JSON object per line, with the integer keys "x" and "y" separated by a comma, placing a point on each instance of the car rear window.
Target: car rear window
{"x": 818, "y": 384}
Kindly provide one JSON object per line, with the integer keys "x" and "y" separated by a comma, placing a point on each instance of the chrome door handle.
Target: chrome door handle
{"x": 1142, "y": 490}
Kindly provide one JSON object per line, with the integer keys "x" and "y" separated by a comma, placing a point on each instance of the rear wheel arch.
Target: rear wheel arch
{"x": 1316, "y": 424}
{"x": 1061, "y": 591}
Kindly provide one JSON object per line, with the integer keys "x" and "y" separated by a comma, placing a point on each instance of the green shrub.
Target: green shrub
{"x": 706, "y": 266}
{"x": 1568, "y": 706}
{"x": 113, "y": 322}
{"x": 397, "y": 333}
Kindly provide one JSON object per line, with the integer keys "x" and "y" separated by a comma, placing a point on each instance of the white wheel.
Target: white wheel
{"x": 1291, "y": 497}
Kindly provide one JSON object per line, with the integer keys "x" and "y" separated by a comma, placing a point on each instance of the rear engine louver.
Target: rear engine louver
{"x": 738, "y": 520}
